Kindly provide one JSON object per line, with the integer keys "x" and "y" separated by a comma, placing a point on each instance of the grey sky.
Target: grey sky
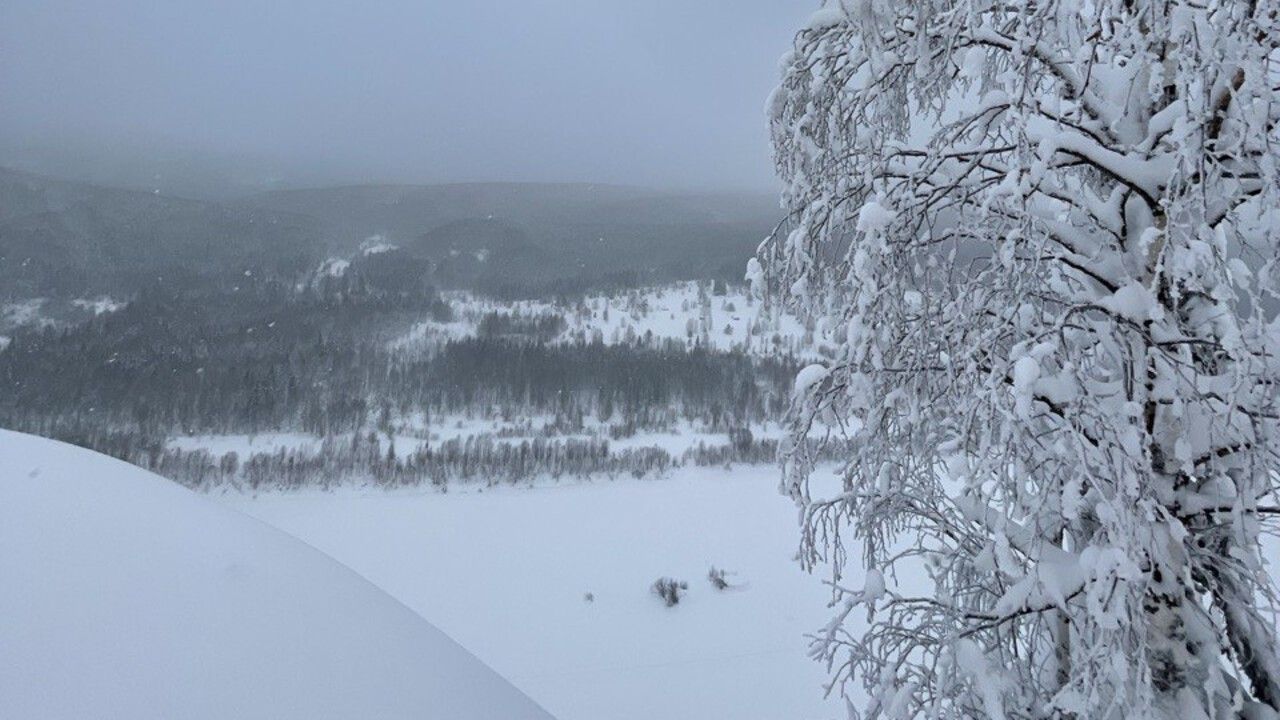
{"x": 655, "y": 92}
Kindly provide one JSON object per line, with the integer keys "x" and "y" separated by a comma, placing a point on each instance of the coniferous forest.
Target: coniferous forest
{"x": 259, "y": 353}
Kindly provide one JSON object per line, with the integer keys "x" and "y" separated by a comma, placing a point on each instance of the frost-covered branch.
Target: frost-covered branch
{"x": 1043, "y": 239}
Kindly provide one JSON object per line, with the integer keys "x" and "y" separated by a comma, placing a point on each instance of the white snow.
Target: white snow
{"x": 246, "y": 445}
{"x": 733, "y": 321}
{"x": 873, "y": 587}
{"x": 679, "y": 438}
{"x": 505, "y": 571}
{"x": 429, "y": 335}
{"x": 975, "y": 61}
{"x": 334, "y": 267}
{"x": 1026, "y": 371}
{"x": 376, "y": 245}
{"x": 755, "y": 276}
{"x": 825, "y": 18}
{"x": 974, "y": 663}
{"x": 25, "y": 312}
{"x": 874, "y": 217}
{"x": 98, "y": 305}
{"x": 1132, "y": 302}
{"x": 125, "y": 596}
{"x": 809, "y": 376}
{"x": 912, "y": 300}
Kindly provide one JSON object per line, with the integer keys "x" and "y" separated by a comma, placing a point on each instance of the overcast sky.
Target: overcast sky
{"x": 655, "y": 92}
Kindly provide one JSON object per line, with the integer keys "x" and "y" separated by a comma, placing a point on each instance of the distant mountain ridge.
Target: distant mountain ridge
{"x": 62, "y": 237}
{"x": 539, "y": 237}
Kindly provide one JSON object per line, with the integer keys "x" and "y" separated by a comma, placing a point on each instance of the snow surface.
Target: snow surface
{"x": 734, "y": 321}
{"x": 333, "y": 267}
{"x": 809, "y": 376}
{"x": 247, "y": 445}
{"x": 54, "y": 313}
{"x": 505, "y": 571}
{"x": 125, "y": 596}
{"x": 98, "y": 305}
{"x": 376, "y": 245}
{"x": 681, "y": 437}
{"x": 874, "y": 217}
{"x": 26, "y": 312}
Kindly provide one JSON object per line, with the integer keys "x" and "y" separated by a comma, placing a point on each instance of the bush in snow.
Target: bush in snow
{"x": 669, "y": 590}
{"x": 1043, "y": 237}
{"x": 717, "y": 578}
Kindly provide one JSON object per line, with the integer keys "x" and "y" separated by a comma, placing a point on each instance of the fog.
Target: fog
{"x": 666, "y": 93}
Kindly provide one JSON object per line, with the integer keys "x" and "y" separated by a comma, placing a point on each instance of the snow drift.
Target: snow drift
{"x": 125, "y": 596}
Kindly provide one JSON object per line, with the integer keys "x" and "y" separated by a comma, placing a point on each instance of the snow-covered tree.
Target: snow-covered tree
{"x": 1044, "y": 237}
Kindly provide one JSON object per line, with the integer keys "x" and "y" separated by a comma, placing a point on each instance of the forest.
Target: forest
{"x": 263, "y": 354}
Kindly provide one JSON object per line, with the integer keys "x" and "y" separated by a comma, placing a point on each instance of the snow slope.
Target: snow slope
{"x": 734, "y": 321}
{"x": 506, "y": 571}
{"x": 125, "y": 596}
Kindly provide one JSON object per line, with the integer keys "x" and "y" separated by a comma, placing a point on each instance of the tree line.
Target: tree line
{"x": 263, "y": 356}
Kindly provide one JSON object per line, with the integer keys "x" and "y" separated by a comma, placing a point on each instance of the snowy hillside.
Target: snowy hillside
{"x": 125, "y": 596}
{"x": 693, "y": 313}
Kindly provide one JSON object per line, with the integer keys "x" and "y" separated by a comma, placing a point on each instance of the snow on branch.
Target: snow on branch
{"x": 1044, "y": 240}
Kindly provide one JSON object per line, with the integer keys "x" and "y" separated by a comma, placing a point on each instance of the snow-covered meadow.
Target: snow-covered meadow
{"x": 507, "y": 572}
{"x": 47, "y": 312}
{"x": 724, "y": 318}
{"x": 40, "y": 313}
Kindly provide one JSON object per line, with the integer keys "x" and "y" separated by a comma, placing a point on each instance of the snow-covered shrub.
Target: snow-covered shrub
{"x": 669, "y": 589}
{"x": 717, "y": 578}
{"x": 1043, "y": 239}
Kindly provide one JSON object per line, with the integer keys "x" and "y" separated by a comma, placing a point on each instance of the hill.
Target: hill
{"x": 531, "y": 238}
{"x": 71, "y": 238}
{"x": 126, "y": 596}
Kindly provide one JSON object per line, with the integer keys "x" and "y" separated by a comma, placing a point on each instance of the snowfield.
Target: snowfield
{"x": 687, "y": 312}
{"x": 246, "y": 445}
{"x": 505, "y": 571}
{"x": 53, "y": 313}
{"x": 126, "y": 596}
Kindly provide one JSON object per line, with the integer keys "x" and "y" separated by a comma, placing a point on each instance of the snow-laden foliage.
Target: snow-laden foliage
{"x": 1044, "y": 237}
